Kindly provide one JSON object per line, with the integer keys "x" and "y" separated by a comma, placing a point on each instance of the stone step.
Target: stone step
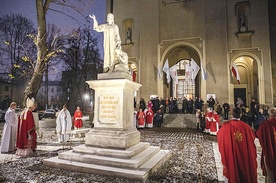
{"x": 125, "y": 154}
{"x": 155, "y": 162}
{"x": 55, "y": 162}
{"x": 132, "y": 163}
{"x": 140, "y": 174}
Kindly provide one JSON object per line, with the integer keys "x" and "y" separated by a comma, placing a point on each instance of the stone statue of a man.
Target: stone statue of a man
{"x": 112, "y": 42}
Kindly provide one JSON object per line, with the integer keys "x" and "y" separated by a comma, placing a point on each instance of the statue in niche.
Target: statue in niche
{"x": 128, "y": 36}
{"x": 114, "y": 58}
{"x": 242, "y": 22}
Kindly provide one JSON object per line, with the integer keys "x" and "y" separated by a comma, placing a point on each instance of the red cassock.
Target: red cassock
{"x": 149, "y": 118}
{"x": 26, "y": 126}
{"x": 141, "y": 119}
{"x": 267, "y": 137}
{"x": 238, "y": 152}
{"x": 208, "y": 117}
{"x": 78, "y": 119}
{"x": 214, "y": 125}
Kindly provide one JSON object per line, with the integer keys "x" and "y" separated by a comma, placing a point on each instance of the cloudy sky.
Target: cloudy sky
{"x": 27, "y": 8}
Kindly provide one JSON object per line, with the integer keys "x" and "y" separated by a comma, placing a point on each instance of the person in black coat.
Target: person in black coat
{"x": 226, "y": 109}
{"x": 159, "y": 118}
{"x": 211, "y": 102}
{"x": 259, "y": 119}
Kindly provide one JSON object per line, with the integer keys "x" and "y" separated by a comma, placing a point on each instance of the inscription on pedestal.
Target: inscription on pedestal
{"x": 109, "y": 108}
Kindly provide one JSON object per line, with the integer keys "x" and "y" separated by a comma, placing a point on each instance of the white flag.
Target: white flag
{"x": 159, "y": 72}
{"x": 203, "y": 72}
{"x": 195, "y": 68}
{"x": 188, "y": 72}
{"x": 173, "y": 73}
{"x": 166, "y": 69}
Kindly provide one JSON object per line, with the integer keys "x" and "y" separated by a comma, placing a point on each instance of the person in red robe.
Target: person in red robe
{"x": 214, "y": 124}
{"x": 238, "y": 151}
{"x": 267, "y": 137}
{"x": 149, "y": 118}
{"x": 26, "y": 134}
{"x": 141, "y": 119}
{"x": 77, "y": 119}
{"x": 208, "y": 120}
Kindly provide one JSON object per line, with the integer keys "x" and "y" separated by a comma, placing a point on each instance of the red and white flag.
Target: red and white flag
{"x": 236, "y": 72}
{"x": 173, "y": 73}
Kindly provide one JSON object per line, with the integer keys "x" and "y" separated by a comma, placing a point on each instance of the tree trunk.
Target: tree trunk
{"x": 35, "y": 82}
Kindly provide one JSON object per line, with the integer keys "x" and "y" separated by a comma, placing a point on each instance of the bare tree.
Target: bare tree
{"x": 16, "y": 33}
{"x": 43, "y": 52}
{"x": 82, "y": 62}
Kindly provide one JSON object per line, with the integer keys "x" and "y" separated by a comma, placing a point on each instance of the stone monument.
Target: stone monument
{"x": 113, "y": 146}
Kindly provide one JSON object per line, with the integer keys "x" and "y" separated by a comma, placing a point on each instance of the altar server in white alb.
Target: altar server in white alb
{"x": 64, "y": 125}
{"x": 9, "y": 130}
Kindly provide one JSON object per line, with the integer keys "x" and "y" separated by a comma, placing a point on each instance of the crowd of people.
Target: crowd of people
{"x": 235, "y": 136}
{"x": 21, "y": 131}
{"x": 238, "y": 151}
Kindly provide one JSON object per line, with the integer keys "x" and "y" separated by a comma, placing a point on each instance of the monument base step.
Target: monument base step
{"x": 132, "y": 164}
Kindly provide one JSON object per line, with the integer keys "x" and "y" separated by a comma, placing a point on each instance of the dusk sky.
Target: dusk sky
{"x": 28, "y": 9}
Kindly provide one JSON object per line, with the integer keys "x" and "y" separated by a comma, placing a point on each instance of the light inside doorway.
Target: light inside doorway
{"x": 185, "y": 87}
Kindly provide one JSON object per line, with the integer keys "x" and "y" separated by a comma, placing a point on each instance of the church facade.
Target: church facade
{"x": 216, "y": 35}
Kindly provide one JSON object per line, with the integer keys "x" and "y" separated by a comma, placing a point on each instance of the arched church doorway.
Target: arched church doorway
{"x": 248, "y": 88}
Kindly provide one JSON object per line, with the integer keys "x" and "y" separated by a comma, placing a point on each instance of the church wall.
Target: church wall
{"x": 181, "y": 20}
{"x": 214, "y": 22}
{"x": 145, "y": 38}
{"x": 272, "y": 27}
{"x": 216, "y": 49}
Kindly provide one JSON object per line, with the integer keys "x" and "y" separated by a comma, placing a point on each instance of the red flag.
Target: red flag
{"x": 236, "y": 72}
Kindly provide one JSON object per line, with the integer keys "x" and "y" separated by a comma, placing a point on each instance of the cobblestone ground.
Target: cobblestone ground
{"x": 192, "y": 154}
{"x": 192, "y": 160}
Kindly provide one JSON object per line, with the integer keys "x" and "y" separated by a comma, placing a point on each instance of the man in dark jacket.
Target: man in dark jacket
{"x": 226, "y": 108}
{"x": 259, "y": 119}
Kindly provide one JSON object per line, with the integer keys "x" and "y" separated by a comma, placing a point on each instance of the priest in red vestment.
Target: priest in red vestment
{"x": 141, "y": 119}
{"x": 149, "y": 118}
{"x": 267, "y": 137}
{"x": 238, "y": 151}
{"x": 78, "y": 119}
{"x": 26, "y": 134}
{"x": 208, "y": 120}
{"x": 215, "y": 123}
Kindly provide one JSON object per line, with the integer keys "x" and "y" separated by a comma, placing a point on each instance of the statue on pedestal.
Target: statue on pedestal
{"x": 243, "y": 27}
{"x": 114, "y": 58}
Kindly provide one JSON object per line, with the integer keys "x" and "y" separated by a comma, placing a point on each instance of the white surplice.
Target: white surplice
{"x": 9, "y": 131}
{"x": 64, "y": 125}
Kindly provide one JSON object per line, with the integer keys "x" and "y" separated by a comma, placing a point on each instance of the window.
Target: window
{"x": 6, "y": 88}
{"x": 53, "y": 89}
{"x": 185, "y": 87}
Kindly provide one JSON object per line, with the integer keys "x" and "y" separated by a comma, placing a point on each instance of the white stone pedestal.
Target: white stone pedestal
{"x": 113, "y": 146}
{"x": 113, "y": 115}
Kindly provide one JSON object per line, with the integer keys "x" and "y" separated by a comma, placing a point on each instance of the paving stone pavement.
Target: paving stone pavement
{"x": 197, "y": 150}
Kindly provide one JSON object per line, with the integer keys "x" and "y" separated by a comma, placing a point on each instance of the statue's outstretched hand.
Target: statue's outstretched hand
{"x": 92, "y": 16}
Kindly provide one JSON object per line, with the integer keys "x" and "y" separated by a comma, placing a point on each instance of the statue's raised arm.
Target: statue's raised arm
{"x": 95, "y": 24}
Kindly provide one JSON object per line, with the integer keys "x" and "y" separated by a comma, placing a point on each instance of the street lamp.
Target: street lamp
{"x": 86, "y": 96}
